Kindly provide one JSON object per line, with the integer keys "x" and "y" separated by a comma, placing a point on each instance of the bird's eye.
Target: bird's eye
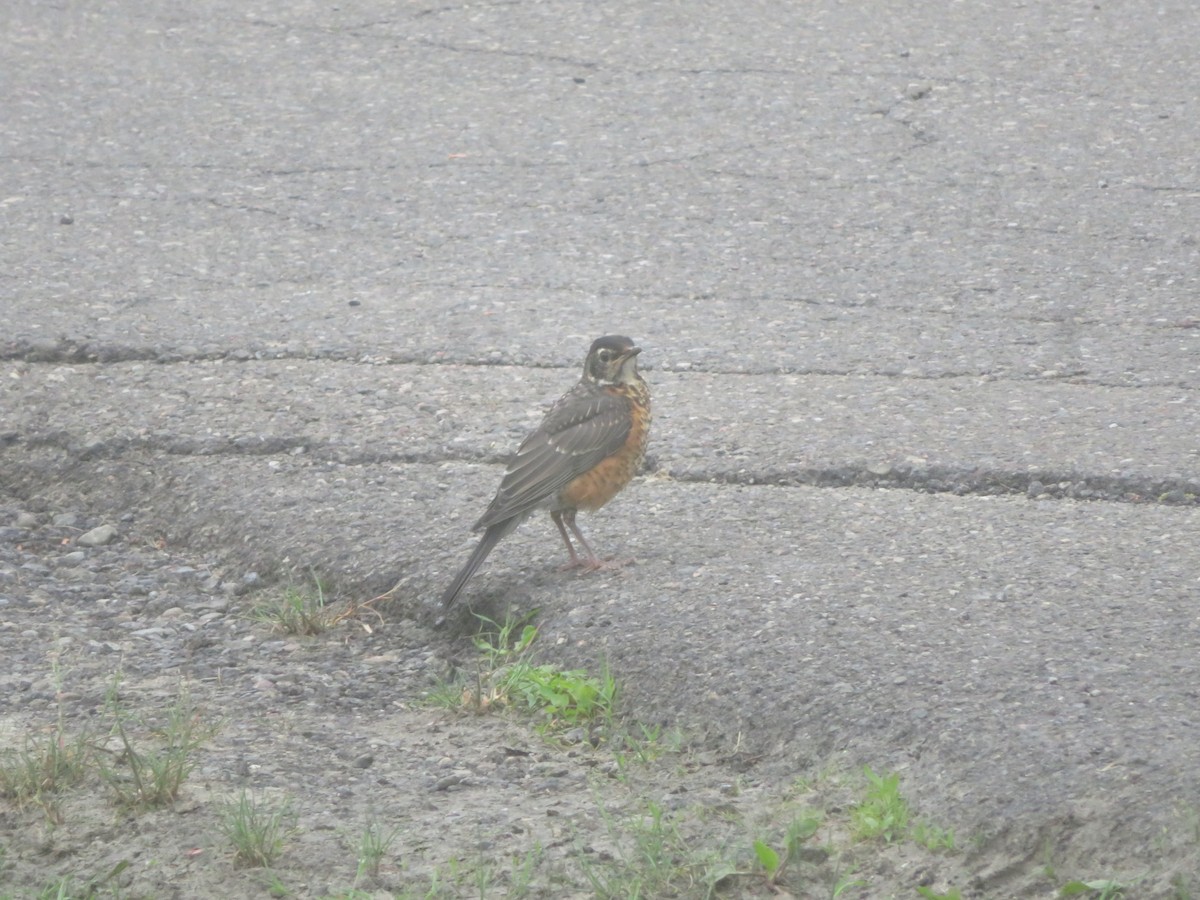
{"x": 605, "y": 355}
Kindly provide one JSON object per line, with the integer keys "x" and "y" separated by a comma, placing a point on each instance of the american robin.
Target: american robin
{"x": 586, "y": 450}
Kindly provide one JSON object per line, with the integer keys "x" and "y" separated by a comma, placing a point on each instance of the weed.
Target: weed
{"x": 653, "y": 860}
{"x": 70, "y": 888}
{"x": 801, "y": 784}
{"x": 277, "y": 888}
{"x": 523, "y": 872}
{"x": 500, "y": 653}
{"x": 882, "y": 812}
{"x": 148, "y": 778}
{"x": 1047, "y": 854}
{"x": 42, "y": 769}
{"x": 256, "y": 832}
{"x": 506, "y": 677}
{"x": 483, "y": 880}
{"x": 772, "y": 861}
{"x": 847, "y": 882}
{"x": 1190, "y": 816}
{"x": 931, "y": 894}
{"x": 932, "y": 837}
{"x": 373, "y": 845}
{"x": 298, "y": 611}
{"x": 651, "y": 743}
{"x": 564, "y": 696}
{"x": 829, "y": 775}
{"x": 1103, "y": 889}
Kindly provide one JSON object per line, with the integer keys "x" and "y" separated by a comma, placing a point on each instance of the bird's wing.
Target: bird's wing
{"x": 579, "y": 431}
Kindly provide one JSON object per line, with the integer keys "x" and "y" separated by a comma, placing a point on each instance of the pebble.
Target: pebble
{"x": 98, "y": 536}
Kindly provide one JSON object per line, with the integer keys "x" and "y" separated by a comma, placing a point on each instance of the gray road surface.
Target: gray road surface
{"x": 918, "y": 287}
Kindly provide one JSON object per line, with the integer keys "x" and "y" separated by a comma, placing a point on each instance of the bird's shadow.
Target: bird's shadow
{"x": 499, "y": 601}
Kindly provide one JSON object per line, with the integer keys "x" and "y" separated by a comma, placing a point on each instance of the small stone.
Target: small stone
{"x": 364, "y": 762}
{"x": 574, "y": 736}
{"x": 67, "y": 520}
{"x": 27, "y": 520}
{"x": 98, "y": 536}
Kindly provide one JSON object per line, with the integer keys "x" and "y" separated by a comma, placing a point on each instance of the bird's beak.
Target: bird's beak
{"x": 631, "y": 352}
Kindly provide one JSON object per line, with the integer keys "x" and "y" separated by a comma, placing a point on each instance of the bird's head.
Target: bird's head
{"x": 612, "y": 360}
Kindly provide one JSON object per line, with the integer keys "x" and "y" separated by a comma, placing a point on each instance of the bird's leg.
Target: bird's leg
{"x": 566, "y": 519}
{"x": 592, "y": 561}
{"x": 557, "y": 515}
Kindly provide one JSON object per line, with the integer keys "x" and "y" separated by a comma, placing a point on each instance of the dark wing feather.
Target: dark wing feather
{"x": 579, "y": 431}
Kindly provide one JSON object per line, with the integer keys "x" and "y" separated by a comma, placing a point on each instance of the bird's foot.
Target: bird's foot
{"x": 596, "y": 563}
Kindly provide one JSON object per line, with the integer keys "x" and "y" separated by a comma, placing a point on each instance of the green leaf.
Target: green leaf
{"x": 1075, "y": 888}
{"x": 718, "y": 873}
{"x": 800, "y": 831}
{"x": 767, "y": 857}
{"x": 930, "y": 894}
{"x": 528, "y": 633}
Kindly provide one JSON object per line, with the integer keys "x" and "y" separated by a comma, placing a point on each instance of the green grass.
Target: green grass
{"x": 882, "y": 813}
{"x": 507, "y": 677}
{"x": 1099, "y": 889}
{"x": 44, "y": 767}
{"x": 373, "y": 845}
{"x": 298, "y": 610}
{"x": 68, "y": 887}
{"x": 932, "y": 837}
{"x": 931, "y": 894}
{"x": 775, "y": 860}
{"x": 257, "y": 833}
{"x": 151, "y": 761}
{"x": 652, "y": 859}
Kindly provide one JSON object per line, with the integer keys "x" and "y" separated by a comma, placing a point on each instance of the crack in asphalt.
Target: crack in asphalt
{"x": 1048, "y": 484}
{"x": 736, "y": 470}
{"x": 67, "y": 351}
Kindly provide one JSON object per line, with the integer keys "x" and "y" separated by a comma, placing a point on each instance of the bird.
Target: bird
{"x": 586, "y": 450}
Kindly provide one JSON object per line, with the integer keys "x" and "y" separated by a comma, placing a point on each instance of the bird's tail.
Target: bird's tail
{"x": 486, "y": 544}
